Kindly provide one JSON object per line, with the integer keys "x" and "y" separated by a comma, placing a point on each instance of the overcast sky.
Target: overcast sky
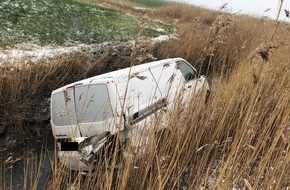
{"x": 254, "y": 7}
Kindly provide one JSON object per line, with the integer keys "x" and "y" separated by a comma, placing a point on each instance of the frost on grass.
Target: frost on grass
{"x": 31, "y": 53}
{"x": 51, "y": 22}
{"x": 35, "y": 53}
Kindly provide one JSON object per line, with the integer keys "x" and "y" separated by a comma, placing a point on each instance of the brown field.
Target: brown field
{"x": 239, "y": 140}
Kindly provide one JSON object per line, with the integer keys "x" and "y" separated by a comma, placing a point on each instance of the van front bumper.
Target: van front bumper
{"x": 77, "y": 155}
{"x": 72, "y": 160}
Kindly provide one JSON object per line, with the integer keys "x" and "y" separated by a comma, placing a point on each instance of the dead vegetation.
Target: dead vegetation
{"x": 239, "y": 140}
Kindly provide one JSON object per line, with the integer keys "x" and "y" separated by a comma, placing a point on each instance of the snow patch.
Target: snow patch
{"x": 142, "y": 8}
{"x": 160, "y": 30}
{"x": 16, "y": 56}
{"x": 164, "y": 38}
{"x": 33, "y": 53}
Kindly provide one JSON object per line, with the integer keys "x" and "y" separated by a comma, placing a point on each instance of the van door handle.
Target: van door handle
{"x": 189, "y": 86}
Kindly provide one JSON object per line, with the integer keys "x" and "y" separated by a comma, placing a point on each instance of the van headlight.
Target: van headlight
{"x": 92, "y": 144}
{"x": 86, "y": 151}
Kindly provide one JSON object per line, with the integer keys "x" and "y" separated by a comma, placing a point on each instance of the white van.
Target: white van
{"x": 86, "y": 113}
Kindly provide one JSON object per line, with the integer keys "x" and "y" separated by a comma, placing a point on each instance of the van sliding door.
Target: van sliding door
{"x": 142, "y": 93}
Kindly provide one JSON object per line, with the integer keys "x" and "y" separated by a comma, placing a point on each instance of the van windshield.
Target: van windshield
{"x": 85, "y": 104}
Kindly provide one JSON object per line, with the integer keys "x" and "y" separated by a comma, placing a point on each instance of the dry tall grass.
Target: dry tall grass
{"x": 239, "y": 140}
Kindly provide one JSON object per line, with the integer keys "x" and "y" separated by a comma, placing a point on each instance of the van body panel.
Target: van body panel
{"x": 168, "y": 78}
{"x": 142, "y": 91}
{"x": 94, "y": 106}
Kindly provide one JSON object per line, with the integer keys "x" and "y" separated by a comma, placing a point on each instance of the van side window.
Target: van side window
{"x": 187, "y": 72}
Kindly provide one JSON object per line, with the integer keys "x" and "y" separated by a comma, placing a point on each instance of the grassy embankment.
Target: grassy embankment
{"x": 240, "y": 139}
{"x": 66, "y": 23}
{"x": 149, "y": 3}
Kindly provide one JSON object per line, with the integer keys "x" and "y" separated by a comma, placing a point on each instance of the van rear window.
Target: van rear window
{"x": 90, "y": 103}
{"x": 62, "y": 109}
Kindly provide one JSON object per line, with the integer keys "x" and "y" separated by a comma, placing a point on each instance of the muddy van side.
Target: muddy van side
{"x": 86, "y": 113}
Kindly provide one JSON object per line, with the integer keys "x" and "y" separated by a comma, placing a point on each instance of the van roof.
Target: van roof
{"x": 117, "y": 73}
